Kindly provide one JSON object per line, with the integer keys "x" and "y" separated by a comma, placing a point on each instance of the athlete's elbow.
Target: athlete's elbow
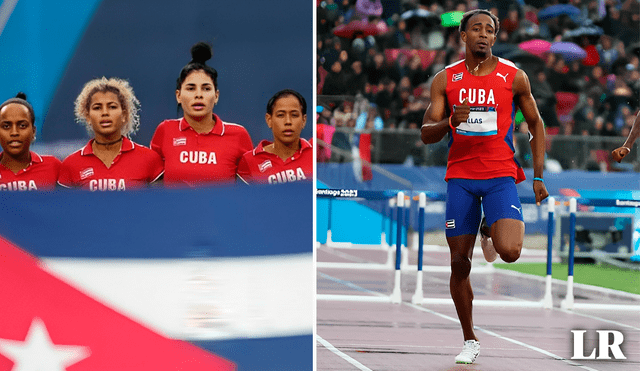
{"x": 428, "y": 137}
{"x": 429, "y": 140}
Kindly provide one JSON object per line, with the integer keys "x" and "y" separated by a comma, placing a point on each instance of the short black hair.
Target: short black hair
{"x": 21, "y": 98}
{"x": 286, "y": 93}
{"x": 466, "y": 16}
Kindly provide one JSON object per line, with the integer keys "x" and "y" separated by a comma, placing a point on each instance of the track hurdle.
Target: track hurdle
{"x": 569, "y": 301}
{"x": 547, "y": 301}
{"x": 332, "y": 194}
{"x": 396, "y": 295}
{"x": 418, "y": 296}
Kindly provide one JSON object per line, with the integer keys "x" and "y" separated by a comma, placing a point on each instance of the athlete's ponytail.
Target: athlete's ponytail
{"x": 200, "y": 54}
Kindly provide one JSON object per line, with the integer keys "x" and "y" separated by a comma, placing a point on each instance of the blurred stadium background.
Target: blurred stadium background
{"x": 375, "y": 63}
{"x": 51, "y": 49}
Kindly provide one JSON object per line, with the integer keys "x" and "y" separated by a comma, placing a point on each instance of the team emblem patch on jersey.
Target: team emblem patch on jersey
{"x": 84, "y": 174}
{"x": 265, "y": 165}
{"x": 450, "y": 224}
{"x": 182, "y": 141}
{"x": 457, "y": 77}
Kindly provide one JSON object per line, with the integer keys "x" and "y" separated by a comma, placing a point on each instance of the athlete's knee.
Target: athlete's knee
{"x": 508, "y": 248}
{"x": 512, "y": 254}
{"x": 460, "y": 266}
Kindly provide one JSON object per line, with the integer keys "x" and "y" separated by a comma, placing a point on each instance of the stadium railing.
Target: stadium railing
{"x": 571, "y": 151}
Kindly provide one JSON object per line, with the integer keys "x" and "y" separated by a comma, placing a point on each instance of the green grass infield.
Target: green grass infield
{"x": 589, "y": 274}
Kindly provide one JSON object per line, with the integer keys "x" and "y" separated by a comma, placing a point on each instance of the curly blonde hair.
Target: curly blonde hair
{"x": 121, "y": 88}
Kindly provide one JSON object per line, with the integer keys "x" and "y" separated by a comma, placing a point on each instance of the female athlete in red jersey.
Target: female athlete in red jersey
{"x": 288, "y": 158}
{"x": 199, "y": 148}
{"x": 20, "y": 168}
{"x": 110, "y": 161}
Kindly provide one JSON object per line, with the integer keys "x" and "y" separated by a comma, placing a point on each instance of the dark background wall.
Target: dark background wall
{"x": 259, "y": 47}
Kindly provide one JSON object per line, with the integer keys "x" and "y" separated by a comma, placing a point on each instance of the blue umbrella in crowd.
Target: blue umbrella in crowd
{"x": 592, "y": 30}
{"x": 569, "y": 51}
{"x": 558, "y": 10}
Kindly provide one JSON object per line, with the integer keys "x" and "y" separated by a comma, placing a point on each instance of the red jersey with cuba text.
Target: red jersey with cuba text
{"x": 41, "y": 174}
{"x": 193, "y": 158}
{"x": 260, "y": 166}
{"x": 482, "y": 147}
{"x": 134, "y": 167}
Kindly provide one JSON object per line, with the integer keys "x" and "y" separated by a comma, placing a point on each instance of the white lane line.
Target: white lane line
{"x": 599, "y": 289}
{"x": 539, "y": 350}
{"x": 349, "y": 284}
{"x": 337, "y": 352}
{"x": 586, "y": 287}
{"x": 597, "y": 318}
{"x": 517, "y": 342}
{"x": 345, "y": 255}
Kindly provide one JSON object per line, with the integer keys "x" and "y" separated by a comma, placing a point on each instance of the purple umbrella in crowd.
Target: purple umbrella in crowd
{"x": 369, "y": 7}
{"x": 569, "y": 51}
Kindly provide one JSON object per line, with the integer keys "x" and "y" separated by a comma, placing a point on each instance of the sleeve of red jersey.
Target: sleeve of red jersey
{"x": 55, "y": 165}
{"x": 245, "y": 143}
{"x": 157, "y": 140}
{"x": 244, "y": 172}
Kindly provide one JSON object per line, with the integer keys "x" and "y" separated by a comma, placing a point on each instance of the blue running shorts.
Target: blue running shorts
{"x": 468, "y": 198}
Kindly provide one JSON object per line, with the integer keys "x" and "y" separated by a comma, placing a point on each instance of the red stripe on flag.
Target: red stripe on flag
{"x": 72, "y": 318}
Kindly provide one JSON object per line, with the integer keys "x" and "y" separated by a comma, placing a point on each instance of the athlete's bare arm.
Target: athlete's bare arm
{"x": 435, "y": 123}
{"x": 523, "y": 99}
{"x": 620, "y": 152}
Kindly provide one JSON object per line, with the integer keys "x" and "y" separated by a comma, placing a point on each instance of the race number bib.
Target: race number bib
{"x": 482, "y": 121}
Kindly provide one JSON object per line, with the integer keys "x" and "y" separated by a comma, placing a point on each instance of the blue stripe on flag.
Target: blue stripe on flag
{"x": 161, "y": 223}
{"x": 265, "y": 354}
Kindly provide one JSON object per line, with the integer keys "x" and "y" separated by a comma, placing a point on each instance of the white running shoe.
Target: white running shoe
{"x": 469, "y": 353}
{"x": 488, "y": 250}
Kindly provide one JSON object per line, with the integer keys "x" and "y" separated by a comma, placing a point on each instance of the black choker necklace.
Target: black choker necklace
{"x": 108, "y": 143}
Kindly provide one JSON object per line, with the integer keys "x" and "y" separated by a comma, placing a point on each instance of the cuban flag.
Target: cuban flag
{"x": 85, "y": 173}
{"x": 181, "y": 141}
{"x": 265, "y": 166}
{"x": 450, "y": 224}
{"x": 156, "y": 279}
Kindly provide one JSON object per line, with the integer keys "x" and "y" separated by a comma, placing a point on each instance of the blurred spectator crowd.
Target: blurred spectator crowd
{"x": 376, "y": 60}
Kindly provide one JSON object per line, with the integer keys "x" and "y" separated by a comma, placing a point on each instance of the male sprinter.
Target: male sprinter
{"x": 475, "y": 101}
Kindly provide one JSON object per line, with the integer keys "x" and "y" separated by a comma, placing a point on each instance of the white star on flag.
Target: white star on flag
{"x": 38, "y": 353}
